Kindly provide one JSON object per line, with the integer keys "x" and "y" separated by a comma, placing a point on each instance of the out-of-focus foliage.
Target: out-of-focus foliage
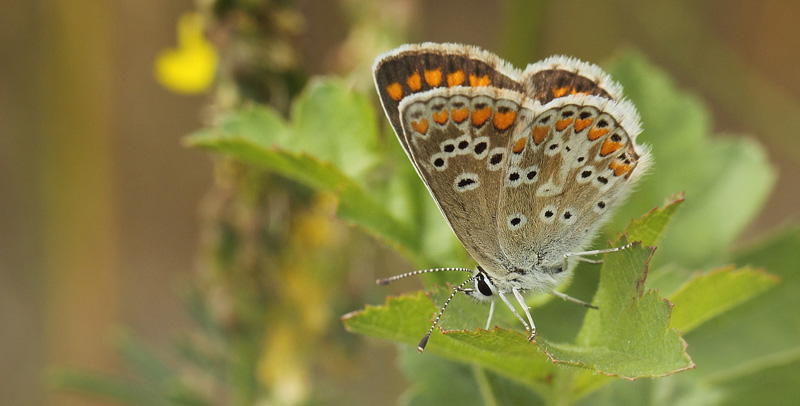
{"x": 291, "y": 153}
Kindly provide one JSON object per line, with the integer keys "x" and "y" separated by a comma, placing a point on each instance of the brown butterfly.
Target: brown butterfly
{"x": 525, "y": 166}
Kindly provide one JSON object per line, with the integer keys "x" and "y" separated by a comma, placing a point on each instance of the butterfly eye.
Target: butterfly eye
{"x": 483, "y": 287}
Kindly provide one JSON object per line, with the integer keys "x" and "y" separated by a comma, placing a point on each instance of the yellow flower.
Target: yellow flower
{"x": 190, "y": 67}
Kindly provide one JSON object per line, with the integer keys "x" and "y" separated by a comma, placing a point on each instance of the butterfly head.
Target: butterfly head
{"x": 483, "y": 287}
{"x": 539, "y": 278}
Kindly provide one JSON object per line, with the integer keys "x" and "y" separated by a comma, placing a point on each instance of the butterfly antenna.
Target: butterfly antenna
{"x": 386, "y": 281}
{"x": 424, "y": 341}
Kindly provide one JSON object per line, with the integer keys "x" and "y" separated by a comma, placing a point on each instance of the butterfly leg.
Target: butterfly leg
{"x": 590, "y": 261}
{"x": 580, "y": 255}
{"x": 491, "y": 313}
{"x": 514, "y": 310}
{"x": 527, "y": 311}
{"x": 572, "y": 299}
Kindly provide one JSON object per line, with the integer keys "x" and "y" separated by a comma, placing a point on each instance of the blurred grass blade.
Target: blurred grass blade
{"x": 120, "y": 390}
{"x": 140, "y": 359}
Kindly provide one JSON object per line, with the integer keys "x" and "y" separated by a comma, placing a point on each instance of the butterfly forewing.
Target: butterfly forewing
{"x": 560, "y": 76}
{"x": 413, "y": 69}
{"x": 458, "y": 140}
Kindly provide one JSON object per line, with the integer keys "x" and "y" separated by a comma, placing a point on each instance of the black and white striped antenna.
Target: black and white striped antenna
{"x": 459, "y": 288}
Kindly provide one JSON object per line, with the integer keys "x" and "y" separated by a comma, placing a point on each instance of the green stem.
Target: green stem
{"x": 484, "y": 386}
{"x": 563, "y": 387}
{"x": 243, "y": 384}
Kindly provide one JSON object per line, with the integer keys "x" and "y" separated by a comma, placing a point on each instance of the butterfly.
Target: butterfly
{"x": 525, "y": 165}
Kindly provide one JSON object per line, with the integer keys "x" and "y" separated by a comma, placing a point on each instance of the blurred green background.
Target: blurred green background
{"x": 100, "y": 205}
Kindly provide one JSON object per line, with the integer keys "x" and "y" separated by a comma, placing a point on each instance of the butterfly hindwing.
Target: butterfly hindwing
{"x": 568, "y": 169}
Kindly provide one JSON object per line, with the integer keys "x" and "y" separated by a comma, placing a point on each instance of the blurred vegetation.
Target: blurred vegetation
{"x": 310, "y": 185}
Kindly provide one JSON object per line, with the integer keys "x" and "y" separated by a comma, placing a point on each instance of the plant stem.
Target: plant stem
{"x": 484, "y": 386}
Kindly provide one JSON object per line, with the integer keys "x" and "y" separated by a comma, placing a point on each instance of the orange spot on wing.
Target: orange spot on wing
{"x": 433, "y": 77}
{"x": 480, "y": 116}
{"x": 395, "y": 91}
{"x": 630, "y": 171}
{"x": 459, "y": 115}
{"x": 456, "y": 78}
{"x": 414, "y": 82}
{"x": 441, "y": 117}
{"x": 560, "y": 91}
{"x": 519, "y": 145}
{"x": 503, "y": 120}
{"x": 609, "y": 147}
{"x": 420, "y": 126}
{"x": 562, "y": 124}
{"x": 476, "y": 81}
{"x": 620, "y": 168}
{"x": 596, "y": 133}
{"x": 539, "y": 134}
{"x": 581, "y": 124}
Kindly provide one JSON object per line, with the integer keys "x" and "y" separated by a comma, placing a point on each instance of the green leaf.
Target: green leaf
{"x": 406, "y": 319}
{"x": 731, "y": 287}
{"x": 763, "y": 334}
{"x": 263, "y": 126}
{"x": 354, "y": 203}
{"x": 650, "y": 227}
{"x": 747, "y": 355}
{"x": 335, "y": 124}
{"x": 628, "y": 336}
{"x": 726, "y": 179}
